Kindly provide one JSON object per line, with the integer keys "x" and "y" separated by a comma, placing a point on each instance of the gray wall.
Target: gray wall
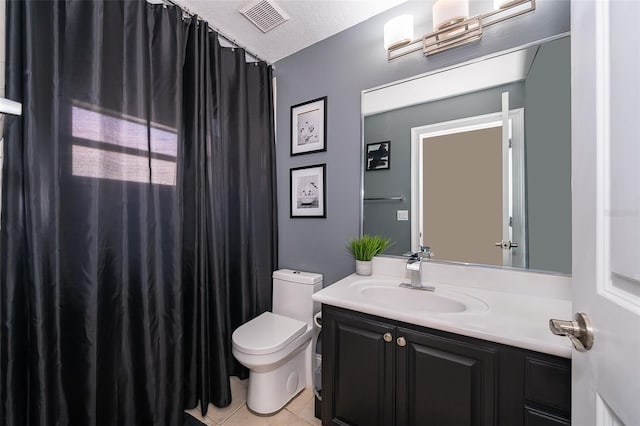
{"x": 548, "y": 148}
{"x": 340, "y": 67}
{"x": 395, "y": 126}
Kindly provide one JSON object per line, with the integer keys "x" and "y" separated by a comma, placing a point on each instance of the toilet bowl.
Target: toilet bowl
{"x": 276, "y": 346}
{"x": 276, "y": 363}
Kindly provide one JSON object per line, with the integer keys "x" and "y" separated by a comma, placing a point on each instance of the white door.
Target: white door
{"x": 462, "y": 206}
{"x": 493, "y": 166}
{"x": 605, "y": 71}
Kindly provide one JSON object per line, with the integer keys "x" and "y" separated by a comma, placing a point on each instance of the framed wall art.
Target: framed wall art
{"x": 308, "y": 127}
{"x": 378, "y": 155}
{"x": 308, "y": 191}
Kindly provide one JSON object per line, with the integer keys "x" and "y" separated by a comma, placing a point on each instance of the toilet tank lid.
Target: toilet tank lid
{"x": 297, "y": 276}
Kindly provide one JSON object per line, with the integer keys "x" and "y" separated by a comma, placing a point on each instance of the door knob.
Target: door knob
{"x": 401, "y": 341}
{"x": 387, "y": 337}
{"x": 578, "y": 331}
{"x": 508, "y": 245}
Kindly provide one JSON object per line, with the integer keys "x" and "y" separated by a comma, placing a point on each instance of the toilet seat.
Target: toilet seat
{"x": 267, "y": 333}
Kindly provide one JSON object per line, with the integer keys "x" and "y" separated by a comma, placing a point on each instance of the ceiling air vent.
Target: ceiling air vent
{"x": 265, "y": 14}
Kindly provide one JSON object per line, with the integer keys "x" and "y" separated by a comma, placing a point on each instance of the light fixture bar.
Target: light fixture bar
{"x": 398, "y": 52}
{"x": 463, "y": 32}
{"x": 454, "y": 35}
{"x": 487, "y": 17}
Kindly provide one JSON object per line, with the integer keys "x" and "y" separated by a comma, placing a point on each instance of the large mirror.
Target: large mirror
{"x": 475, "y": 161}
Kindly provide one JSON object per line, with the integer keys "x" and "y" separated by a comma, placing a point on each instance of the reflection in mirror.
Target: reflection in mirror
{"x": 481, "y": 169}
{"x": 487, "y": 183}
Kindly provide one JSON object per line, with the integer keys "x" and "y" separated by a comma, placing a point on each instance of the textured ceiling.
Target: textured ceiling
{"x": 311, "y": 21}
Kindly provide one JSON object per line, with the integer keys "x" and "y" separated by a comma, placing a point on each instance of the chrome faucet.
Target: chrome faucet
{"x": 414, "y": 264}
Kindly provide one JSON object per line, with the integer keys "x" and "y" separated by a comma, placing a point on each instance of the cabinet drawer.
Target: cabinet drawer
{"x": 548, "y": 383}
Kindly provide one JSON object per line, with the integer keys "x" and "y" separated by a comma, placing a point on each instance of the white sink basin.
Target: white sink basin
{"x": 388, "y": 294}
{"x": 396, "y": 297}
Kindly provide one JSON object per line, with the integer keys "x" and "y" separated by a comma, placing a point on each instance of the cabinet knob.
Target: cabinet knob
{"x": 401, "y": 341}
{"x": 387, "y": 337}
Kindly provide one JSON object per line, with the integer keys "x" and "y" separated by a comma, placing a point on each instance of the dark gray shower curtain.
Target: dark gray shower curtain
{"x": 230, "y": 226}
{"x": 138, "y": 224}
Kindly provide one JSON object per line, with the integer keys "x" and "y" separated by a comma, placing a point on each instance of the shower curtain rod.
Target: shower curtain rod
{"x": 220, "y": 33}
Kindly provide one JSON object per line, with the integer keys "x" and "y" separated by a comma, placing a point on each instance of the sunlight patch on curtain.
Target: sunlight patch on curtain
{"x": 102, "y": 164}
{"x": 147, "y": 145}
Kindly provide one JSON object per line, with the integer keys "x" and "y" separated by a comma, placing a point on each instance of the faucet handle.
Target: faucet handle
{"x": 411, "y": 255}
{"x": 425, "y": 251}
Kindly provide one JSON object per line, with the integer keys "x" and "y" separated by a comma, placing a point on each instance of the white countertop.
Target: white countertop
{"x": 511, "y": 317}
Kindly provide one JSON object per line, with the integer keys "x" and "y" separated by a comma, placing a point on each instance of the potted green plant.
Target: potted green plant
{"x": 364, "y": 248}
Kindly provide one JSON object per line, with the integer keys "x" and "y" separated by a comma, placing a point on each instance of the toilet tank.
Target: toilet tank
{"x": 292, "y": 292}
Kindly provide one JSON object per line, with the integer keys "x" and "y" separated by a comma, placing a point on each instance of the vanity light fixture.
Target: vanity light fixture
{"x": 452, "y": 27}
{"x": 398, "y": 32}
{"x": 501, "y": 4}
{"x": 449, "y": 12}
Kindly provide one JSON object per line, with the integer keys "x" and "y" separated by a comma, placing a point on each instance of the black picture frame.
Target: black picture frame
{"x": 308, "y": 191}
{"x": 308, "y": 127}
{"x": 377, "y": 156}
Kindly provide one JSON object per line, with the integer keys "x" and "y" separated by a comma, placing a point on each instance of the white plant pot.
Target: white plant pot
{"x": 364, "y": 267}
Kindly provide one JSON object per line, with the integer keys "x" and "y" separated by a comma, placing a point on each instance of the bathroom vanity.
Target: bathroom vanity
{"x": 477, "y": 351}
{"x": 385, "y": 372}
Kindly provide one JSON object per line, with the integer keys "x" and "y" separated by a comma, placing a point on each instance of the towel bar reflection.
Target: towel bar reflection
{"x": 394, "y": 198}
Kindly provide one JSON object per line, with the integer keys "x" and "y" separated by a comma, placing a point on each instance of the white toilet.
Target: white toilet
{"x": 276, "y": 346}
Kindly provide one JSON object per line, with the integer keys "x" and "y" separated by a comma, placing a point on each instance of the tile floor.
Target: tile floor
{"x": 299, "y": 412}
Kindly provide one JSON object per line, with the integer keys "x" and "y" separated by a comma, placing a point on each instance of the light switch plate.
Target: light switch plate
{"x": 402, "y": 214}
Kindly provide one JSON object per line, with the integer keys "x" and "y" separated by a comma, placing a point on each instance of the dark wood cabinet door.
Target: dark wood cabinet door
{"x": 444, "y": 382}
{"x": 357, "y": 371}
